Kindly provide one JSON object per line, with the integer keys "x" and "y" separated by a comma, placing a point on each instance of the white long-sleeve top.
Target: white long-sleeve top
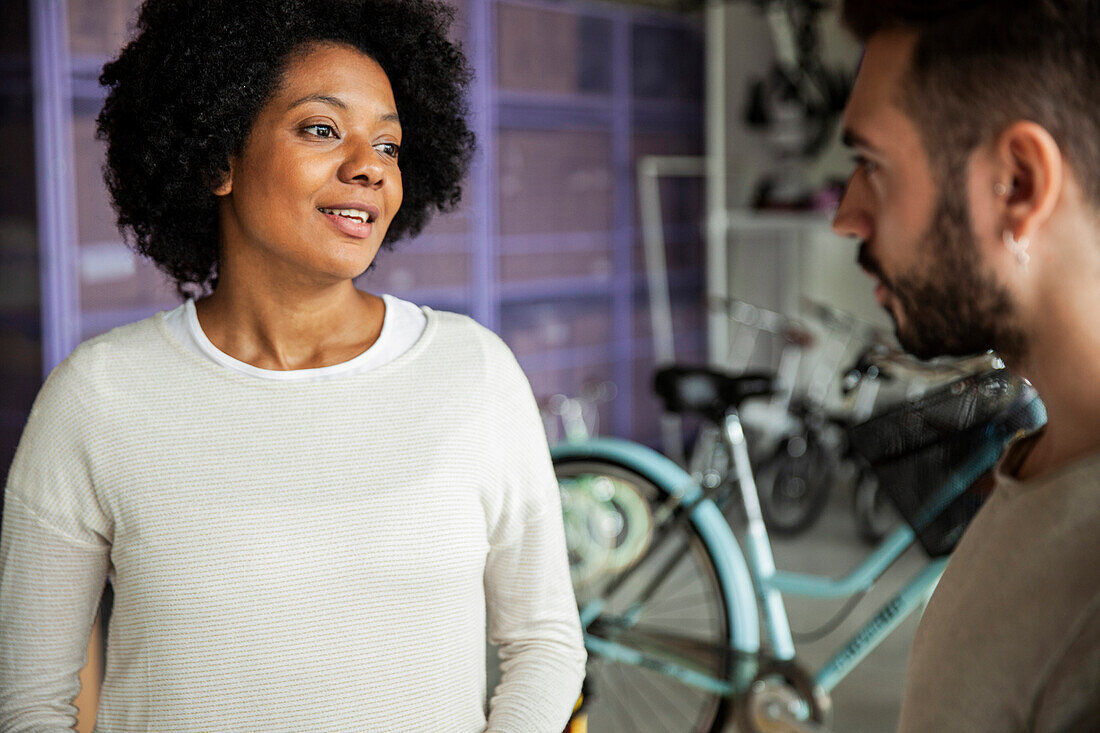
{"x": 287, "y": 555}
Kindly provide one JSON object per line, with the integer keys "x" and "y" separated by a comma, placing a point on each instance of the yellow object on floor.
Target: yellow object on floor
{"x": 579, "y": 722}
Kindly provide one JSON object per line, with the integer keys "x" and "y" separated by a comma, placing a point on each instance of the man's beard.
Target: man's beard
{"x": 953, "y": 307}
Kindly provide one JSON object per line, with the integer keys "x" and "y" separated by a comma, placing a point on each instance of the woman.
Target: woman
{"x": 309, "y": 500}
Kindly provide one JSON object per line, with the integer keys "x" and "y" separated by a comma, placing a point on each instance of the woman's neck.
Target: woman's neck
{"x": 272, "y": 330}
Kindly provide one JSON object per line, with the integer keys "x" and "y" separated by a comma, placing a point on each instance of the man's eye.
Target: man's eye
{"x": 389, "y": 149}
{"x": 322, "y": 131}
{"x": 862, "y": 162}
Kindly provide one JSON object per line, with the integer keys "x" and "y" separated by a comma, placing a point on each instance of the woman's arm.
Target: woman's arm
{"x": 533, "y": 619}
{"x": 50, "y": 586}
{"x": 531, "y": 610}
{"x": 91, "y": 680}
{"x": 54, "y": 556}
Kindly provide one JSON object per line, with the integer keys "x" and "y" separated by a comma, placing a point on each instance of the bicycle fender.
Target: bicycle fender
{"x": 706, "y": 517}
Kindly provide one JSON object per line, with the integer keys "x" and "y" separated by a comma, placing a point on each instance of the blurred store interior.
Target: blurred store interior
{"x": 571, "y": 102}
{"x": 546, "y": 248}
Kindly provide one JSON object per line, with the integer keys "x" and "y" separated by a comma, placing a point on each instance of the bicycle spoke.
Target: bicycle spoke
{"x": 616, "y": 699}
{"x": 698, "y": 707}
{"x": 693, "y": 710}
{"x": 681, "y": 612}
{"x": 669, "y": 607}
{"x": 670, "y": 589}
{"x": 644, "y": 699}
{"x": 682, "y": 600}
{"x": 712, "y": 657}
{"x": 664, "y": 568}
{"x": 669, "y": 702}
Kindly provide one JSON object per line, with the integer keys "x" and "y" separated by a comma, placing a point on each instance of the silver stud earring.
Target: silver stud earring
{"x": 1000, "y": 189}
{"x": 1017, "y": 247}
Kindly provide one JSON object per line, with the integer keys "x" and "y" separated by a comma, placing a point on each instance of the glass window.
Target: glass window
{"x": 20, "y": 324}
{"x": 570, "y": 381}
{"x": 94, "y": 215}
{"x": 538, "y": 330}
{"x": 424, "y": 271}
{"x": 552, "y": 51}
{"x": 554, "y": 181}
{"x": 111, "y": 276}
{"x": 432, "y": 268}
{"x": 682, "y": 202}
{"x": 100, "y": 27}
{"x": 556, "y": 190}
{"x": 687, "y": 313}
{"x": 668, "y": 62}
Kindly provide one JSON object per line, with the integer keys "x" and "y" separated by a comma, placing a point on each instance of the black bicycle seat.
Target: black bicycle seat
{"x": 706, "y": 392}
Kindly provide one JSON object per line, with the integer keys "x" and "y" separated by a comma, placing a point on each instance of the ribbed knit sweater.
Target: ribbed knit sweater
{"x": 288, "y": 556}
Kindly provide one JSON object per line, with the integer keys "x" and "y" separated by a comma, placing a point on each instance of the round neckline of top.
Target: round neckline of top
{"x": 214, "y": 358}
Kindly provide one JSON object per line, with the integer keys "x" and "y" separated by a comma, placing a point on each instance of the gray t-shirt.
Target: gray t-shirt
{"x": 1010, "y": 640}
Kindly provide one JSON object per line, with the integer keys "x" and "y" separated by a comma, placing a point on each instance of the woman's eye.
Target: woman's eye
{"x": 389, "y": 149}
{"x": 322, "y": 131}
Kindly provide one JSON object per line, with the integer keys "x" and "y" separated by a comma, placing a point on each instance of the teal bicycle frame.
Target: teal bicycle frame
{"x": 746, "y": 580}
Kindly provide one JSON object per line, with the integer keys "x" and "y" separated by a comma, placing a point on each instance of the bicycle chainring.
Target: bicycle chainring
{"x": 783, "y": 699}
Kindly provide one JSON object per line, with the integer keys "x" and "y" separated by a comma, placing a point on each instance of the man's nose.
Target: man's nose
{"x": 852, "y": 218}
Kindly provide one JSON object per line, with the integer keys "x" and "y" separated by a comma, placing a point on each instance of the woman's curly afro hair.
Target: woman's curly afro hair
{"x": 183, "y": 94}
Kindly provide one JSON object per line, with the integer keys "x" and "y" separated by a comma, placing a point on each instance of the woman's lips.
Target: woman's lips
{"x": 351, "y": 227}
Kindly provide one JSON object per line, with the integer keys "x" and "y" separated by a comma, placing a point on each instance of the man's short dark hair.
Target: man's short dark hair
{"x": 980, "y": 65}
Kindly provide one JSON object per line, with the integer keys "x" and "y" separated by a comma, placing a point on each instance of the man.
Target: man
{"x": 976, "y": 194}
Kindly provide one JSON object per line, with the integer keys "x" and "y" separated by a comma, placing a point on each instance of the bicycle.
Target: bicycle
{"x": 796, "y": 436}
{"x": 669, "y": 604}
{"x": 821, "y": 448}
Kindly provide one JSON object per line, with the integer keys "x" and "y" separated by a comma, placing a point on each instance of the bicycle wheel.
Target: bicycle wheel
{"x": 874, "y": 512}
{"x": 683, "y": 620}
{"x": 794, "y": 484}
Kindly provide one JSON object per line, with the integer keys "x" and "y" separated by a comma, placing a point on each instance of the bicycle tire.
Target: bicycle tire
{"x": 795, "y": 486}
{"x": 634, "y": 699}
{"x": 874, "y": 513}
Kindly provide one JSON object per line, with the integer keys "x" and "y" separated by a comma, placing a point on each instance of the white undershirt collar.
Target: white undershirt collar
{"x": 402, "y": 325}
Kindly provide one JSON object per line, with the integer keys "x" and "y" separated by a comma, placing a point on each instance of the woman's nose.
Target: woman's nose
{"x": 362, "y": 165}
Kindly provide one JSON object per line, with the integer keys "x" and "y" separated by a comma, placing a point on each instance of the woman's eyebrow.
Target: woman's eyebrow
{"x": 322, "y": 98}
{"x": 340, "y": 104}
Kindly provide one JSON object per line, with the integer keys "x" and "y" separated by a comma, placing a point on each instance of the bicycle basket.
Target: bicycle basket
{"x": 929, "y": 453}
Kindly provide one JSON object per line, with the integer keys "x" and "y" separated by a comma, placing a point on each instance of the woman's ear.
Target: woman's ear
{"x": 224, "y": 185}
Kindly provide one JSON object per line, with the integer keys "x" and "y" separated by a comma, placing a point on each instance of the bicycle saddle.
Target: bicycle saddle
{"x": 708, "y": 392}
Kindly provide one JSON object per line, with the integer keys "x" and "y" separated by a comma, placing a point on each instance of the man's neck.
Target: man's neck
{"x": 1064, "y": 366}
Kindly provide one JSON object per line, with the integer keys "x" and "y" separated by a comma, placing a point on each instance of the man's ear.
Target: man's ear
{"x": 224, "y": 186}
{"x": 1034, "y": 171}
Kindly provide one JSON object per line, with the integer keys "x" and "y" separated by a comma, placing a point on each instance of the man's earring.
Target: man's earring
{"x": 1017, "y": 247}
{"x": 1000, "y": 189}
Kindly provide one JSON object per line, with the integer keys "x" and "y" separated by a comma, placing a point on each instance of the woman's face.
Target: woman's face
{"x": 314, "y": 189}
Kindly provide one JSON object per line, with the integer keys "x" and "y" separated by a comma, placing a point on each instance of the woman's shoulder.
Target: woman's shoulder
{"x": 100, "y": 378}
{"x": 460, "y": 340}
{"x": 112, "y": 355}
{"x": 457, "y": 329}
